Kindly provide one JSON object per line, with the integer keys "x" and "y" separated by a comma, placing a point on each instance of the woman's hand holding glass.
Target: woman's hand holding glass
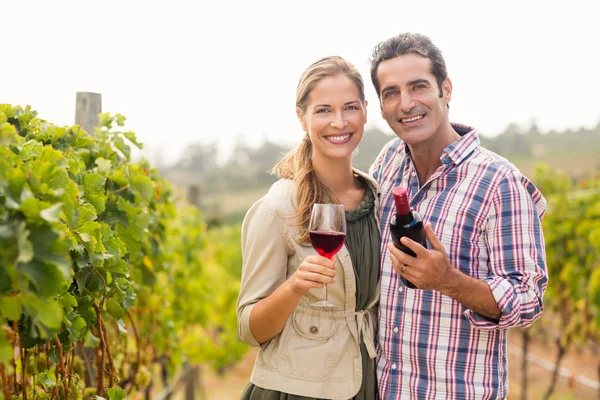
{"x": 313, "y": 272}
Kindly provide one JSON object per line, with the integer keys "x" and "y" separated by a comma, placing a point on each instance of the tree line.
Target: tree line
{"x": 573, "y": 151}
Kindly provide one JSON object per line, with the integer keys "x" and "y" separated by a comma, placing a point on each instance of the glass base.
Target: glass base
{"x": 323, "y": 303}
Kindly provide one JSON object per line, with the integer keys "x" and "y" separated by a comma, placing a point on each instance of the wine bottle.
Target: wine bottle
{"x": 406, "y": 222}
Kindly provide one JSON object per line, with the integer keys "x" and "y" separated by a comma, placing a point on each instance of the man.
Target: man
{"x": 484, "y": 269}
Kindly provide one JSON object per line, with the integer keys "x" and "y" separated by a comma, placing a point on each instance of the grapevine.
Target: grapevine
{"x": 105, "y": 275}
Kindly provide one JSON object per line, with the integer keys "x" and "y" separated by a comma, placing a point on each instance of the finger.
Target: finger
{"x": 315, "y": 277}
{"x": 419, "y": 250}
{"x": 397, "y": 264}
{"x": 435, "y": 242}
{"x": 318, "y": 265}
{"x": 317, "y": 268}
{"x": 401, "y": 256}
{"x": 394, "y": 259}
{"x": 320, "y": 260}
{"x": 403, "y": 270}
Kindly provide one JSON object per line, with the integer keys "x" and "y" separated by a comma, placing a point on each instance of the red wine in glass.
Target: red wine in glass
{"x": 327, "y": 231}
{"x": 327, "y": 243}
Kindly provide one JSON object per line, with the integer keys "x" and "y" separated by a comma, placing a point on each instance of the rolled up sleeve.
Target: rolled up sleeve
{"x": 264, "y": 263}
{"x": 517, "y": 257}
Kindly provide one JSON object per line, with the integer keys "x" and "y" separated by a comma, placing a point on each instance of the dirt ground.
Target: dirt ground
{"x": 230, "y": 385}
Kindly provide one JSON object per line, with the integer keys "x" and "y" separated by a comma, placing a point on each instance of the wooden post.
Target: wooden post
{"x": 190, "y": 387}
{"x": 193, "y": 195}
{"x": 87, "y": 107}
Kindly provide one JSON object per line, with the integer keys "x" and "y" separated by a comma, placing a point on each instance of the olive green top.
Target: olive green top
{"x": 363, "y": 243}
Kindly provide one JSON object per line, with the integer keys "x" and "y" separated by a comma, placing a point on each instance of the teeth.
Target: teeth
{"x": 338, "y": 138}
{"x": 411, "y": 119}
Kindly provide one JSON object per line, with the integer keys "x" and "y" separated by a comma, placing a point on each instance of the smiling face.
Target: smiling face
{"x": 334, "y": 118}
{"x": 410, "y": 98}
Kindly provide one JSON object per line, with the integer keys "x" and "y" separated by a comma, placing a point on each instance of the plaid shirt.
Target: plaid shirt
{"x": 487, "y": 216}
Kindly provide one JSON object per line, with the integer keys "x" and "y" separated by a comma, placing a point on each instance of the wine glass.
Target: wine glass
{"x": 327, "y": 231}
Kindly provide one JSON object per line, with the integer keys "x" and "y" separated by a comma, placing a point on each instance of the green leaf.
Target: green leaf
{"x": 5, "y": 281}
{"x": 120, "y": 144}
{"x": 68, "y": 301}
{"x": 144, "y": 186}
{"x": 132, "y": 138}
{"x": 52, "y": 214}
{"x": 11, "y": 307}
{"x": 104, "y": 165}
{"x": 6, "y": 232}
{"x": 31, "y": 207}
{"x": 114, "y": 309}
{"x": 94, "y": 190}
{"x": 45, "y": 311}
{"x": 77, "y": 328}
{"x": 6, "y": 349}
{"x": 52, "y": 249}
{"x": 91, "y": 340}
{"x": 47, "y": 379}
{"x": 122, "y": 327}
{"x": 50, "y": 314}
{"x": 29, "y": 331}
{"x": 10, "y": 203}
{"x": 53, "y": 156}
{"x": 25, "y": 247}
{"x": 120, "y": 119}
{"x": 130, "y": 298}
{"x": 116, "y": 393}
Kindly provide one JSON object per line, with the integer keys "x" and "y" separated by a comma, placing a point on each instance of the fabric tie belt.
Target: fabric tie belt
{"x": 366, "y": 326}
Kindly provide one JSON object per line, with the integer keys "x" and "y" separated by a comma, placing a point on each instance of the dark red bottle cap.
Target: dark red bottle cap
{"x": 401, "y": 200}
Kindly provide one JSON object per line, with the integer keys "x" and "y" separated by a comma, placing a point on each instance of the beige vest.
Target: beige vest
{"x": 317, "y": 354}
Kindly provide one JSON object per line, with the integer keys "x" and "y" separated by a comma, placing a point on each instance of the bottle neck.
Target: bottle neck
{"x": 404, "y": 219}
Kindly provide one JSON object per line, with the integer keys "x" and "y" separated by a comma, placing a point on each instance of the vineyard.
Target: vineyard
{"x": 108, "y": 284}
{"x": 111, "y": 285}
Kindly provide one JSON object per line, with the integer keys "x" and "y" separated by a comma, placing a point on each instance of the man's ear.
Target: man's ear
{"x": 300, "y": 115}
{"x": 447, "y": 90}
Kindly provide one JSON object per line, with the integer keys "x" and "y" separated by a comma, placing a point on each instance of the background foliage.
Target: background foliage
{"x": 104, "y": 278}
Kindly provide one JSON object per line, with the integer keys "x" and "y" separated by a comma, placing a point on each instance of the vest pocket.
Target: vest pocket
{"x": 313, "y": 326}
{"x": 313, "y": 349}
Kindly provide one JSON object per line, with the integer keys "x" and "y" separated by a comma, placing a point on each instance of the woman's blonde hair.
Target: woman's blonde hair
{"x": 297, "y": 164}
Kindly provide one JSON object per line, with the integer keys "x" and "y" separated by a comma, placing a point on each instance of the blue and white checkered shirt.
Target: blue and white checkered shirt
{"x": 488, "y": 217}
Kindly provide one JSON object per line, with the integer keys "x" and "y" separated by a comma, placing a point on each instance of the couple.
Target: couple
{"x": 483, "y": 271}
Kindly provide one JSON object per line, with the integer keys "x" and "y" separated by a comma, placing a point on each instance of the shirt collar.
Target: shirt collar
{"x": 462, "y": 147}
{"x": 459, "y": 149}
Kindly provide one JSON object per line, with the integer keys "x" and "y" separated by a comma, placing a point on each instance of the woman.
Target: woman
{"x": 309, "y": 352}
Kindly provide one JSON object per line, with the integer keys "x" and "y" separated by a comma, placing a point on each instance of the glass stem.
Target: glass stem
{"x": 324, "y": 292}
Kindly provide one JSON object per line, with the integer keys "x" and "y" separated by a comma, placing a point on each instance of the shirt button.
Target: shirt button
{"x": 414, "y": 173}
{"x": 396, "y": 329}
{"x": 394, "y": 366}
{"x": 314, "y": 329}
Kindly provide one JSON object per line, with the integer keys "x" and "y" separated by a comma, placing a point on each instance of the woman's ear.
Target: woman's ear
{"x": 300, "y": 115}
{"x": 365, "y": 107}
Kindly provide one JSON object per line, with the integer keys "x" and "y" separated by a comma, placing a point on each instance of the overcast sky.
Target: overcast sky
{"x": 198, "y": 71}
